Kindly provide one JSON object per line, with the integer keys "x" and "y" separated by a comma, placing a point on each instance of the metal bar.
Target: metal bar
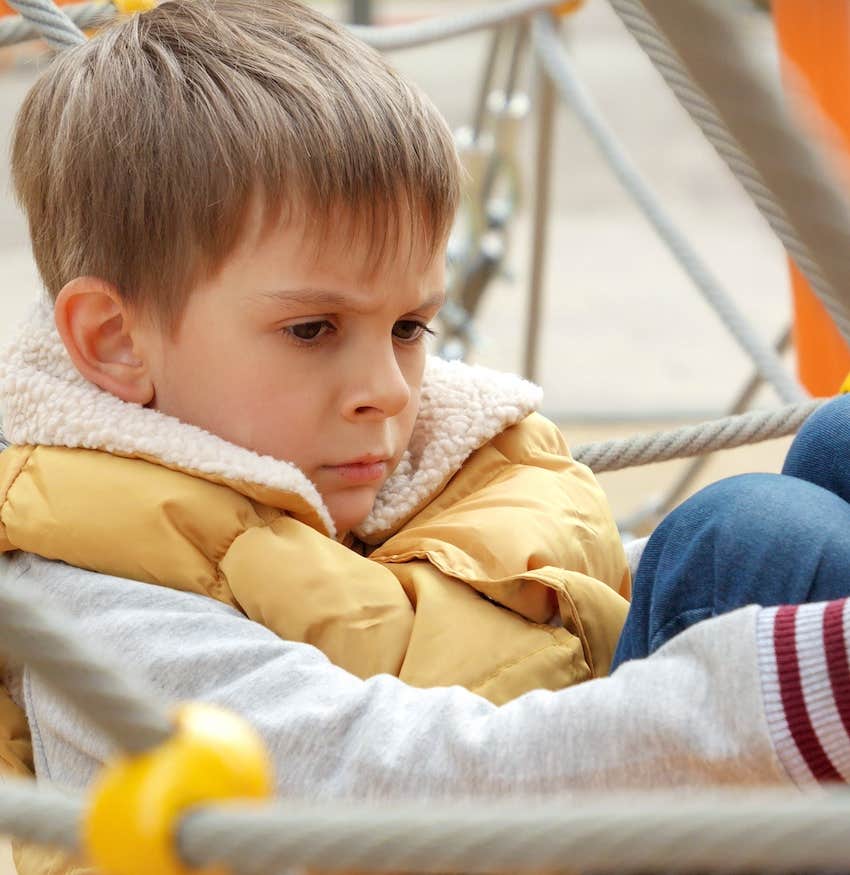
{"x": 361, "y": 12}
{"x": 546, "y": 107}
{"x": 486, "y": 83}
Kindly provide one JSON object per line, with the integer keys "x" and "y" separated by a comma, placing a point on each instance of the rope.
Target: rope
{"x": 15, "y": 29}
{"x": 405, "y": 36}
{"x": 40, "y": 814}
{"x": 554, "y": 58}
{"x": 645, "y": 31}
{"x": 51, "y": 22}
{"x": 777, "y": 832}
{"x": 36, "y": 636}
{"x": 693, "y": 440}
{"x": 660, "y": 505}
{"x": 756, "y": 115}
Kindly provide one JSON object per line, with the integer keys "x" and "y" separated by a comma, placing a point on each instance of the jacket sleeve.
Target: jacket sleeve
{"x": 334, "y": 736}
{"x": 306, "y": 587}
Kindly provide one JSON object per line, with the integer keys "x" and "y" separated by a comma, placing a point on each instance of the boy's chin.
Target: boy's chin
{"x": 350, "y": 508}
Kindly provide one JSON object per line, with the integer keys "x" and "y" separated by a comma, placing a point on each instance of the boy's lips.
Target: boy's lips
{"x": 365, "y": 469}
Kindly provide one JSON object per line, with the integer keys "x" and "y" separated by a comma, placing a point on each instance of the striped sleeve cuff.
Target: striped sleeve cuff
{"x": 804, "y": 661}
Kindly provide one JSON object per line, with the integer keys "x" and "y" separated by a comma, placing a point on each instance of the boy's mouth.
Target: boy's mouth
{"x": 366, "y": 469}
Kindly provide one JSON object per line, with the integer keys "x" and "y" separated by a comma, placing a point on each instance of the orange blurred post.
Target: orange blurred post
{"x": 815, "y": 37}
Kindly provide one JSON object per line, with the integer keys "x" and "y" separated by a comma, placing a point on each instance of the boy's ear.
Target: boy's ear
{"x": 100, "y": 335}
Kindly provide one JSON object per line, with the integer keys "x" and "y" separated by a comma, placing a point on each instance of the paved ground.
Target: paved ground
{"x": 627, "y": 345}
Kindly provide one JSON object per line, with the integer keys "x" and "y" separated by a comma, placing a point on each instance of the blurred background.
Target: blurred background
{"x": 625, "y": 343}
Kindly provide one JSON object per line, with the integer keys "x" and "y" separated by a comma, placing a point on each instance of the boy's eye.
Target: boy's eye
{"x": 308, "y": 330}
{"x": 409, "y": 329}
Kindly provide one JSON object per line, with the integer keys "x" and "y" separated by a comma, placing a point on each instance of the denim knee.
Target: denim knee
{"x": 756, "y": 538}
{"x": 821, "y": 451}
{"x": 760, "y": 532}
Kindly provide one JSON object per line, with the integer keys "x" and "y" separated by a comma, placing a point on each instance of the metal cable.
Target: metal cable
{"x": 52, "y": 23}
{"x": 559, "y": 67}
{"x": 756, "y": 832}
{"x": 693, "y": 440}
{"x": 16, "y": 29}
{"x": 643, "y": 28}
{"x": 405, "y": 36}
{"x": 792, "y": 166}
{"x": 134, "y": 718}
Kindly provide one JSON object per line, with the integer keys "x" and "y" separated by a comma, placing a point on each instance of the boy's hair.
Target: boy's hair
{"x": 138, "y": 154}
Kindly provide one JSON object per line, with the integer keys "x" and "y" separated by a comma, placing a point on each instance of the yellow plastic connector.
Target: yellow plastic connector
{"x": 130, "y": 7}
{"x": 135, "y": 807}
{"x": 845, "y": 386}
{"x": 568, "y": 7}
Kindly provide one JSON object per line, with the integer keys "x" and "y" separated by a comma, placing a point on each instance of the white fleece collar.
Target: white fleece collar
{"x": 45, "y": 401}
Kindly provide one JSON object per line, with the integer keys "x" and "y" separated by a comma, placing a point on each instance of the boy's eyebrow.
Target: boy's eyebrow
{"x": 325, "y": 298}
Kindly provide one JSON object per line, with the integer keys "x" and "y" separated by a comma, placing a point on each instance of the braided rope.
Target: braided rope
{"x": 768, "y": 832}
{"x": 756, "y": 114}
{"x": 694, "y": 440}
{"x": 13, "y": 30}
{"x": 52, "y": 23}
{"x": 558, "y": 66}
{"x": 40, "y": 814}
{"x": 133, "y": 718}
{"x": 405, "y": 36}
{"x": 668, "y": 63}
{"x": 776, "y": 832}
{"x": 16, "y": 29}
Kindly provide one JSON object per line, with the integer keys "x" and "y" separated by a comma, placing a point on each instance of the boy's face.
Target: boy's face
{"x": 294, "y": 351}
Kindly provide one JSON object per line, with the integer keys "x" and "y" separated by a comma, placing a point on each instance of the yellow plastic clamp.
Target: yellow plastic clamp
{"x": 135, "y": 808}
{"x": 845, "y": 386}
{"x": 568, "y": 7}
{"x": 130, "y": 7}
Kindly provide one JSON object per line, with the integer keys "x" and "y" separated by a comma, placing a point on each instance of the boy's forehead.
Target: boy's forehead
{"x": 384, "y": 235}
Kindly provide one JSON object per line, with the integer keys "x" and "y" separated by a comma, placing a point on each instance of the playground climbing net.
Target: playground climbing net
{"x": 747, "y": 122}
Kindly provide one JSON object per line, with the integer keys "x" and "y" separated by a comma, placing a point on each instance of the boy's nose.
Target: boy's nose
{"x": 378, "y": 388}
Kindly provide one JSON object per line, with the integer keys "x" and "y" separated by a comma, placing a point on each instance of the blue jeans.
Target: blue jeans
{"x": 763, "y": 539}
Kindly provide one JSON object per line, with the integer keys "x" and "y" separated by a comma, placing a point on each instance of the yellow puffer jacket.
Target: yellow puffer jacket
{"x": 490, "y": 559}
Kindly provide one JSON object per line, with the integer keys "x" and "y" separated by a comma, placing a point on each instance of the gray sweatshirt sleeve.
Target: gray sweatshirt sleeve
{"x": 693, "y": 714}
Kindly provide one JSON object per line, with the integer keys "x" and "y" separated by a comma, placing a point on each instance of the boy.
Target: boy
{"x": 240, "y": 214}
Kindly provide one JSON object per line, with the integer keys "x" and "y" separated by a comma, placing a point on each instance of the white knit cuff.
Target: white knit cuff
{"x": 804, "y": 660}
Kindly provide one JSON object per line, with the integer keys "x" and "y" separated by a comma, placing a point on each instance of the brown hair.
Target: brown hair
{"x": 136, "y": 155}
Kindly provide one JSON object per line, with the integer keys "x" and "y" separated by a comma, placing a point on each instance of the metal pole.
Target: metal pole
{"x": 361, "y": 12}
{"x": 546, "y": 107}
{"x": 486, "y": 82}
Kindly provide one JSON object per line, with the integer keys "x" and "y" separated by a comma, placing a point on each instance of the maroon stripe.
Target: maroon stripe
{"x": 835, "y": 645}
{"x": 793, "y": 701}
